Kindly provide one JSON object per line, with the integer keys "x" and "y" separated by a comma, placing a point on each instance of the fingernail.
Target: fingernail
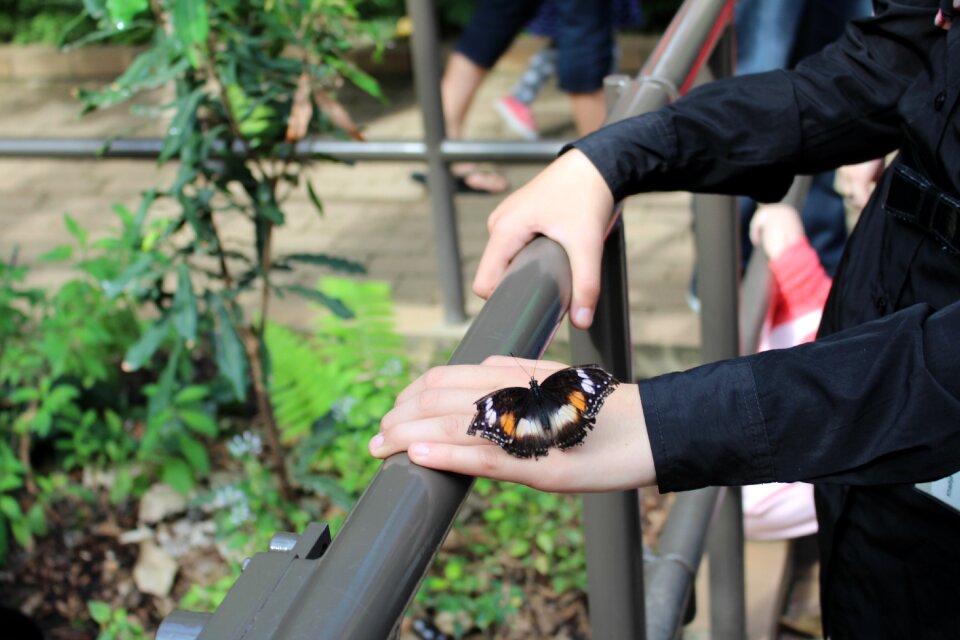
{"x": 418, "y": 452}
{"x": 376, "y": 442}
{"x": 583, "y": 316}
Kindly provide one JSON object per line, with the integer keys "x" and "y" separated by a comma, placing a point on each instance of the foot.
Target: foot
{"x": 517, "y": 116}
{"x": 477, "y": 180}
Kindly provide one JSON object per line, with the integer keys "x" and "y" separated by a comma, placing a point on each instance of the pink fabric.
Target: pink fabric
{"x": 778, "y": 511}
{"x": 800, "y": 287}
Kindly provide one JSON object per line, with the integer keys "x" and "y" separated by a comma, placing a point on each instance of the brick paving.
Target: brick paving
{"x": 374, "y": 213}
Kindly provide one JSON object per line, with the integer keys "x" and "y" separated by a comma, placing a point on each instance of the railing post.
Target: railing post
{"x": 426, "y": 75}
{"x": 717, "y": 235}
{"x": 614, "y": 544}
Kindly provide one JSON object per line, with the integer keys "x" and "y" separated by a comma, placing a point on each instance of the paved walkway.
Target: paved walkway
{"x": 374, "y": 213}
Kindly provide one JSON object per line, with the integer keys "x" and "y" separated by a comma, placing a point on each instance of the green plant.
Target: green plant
{"x": 115, "y": 624}
{"x": 206, "y": 598}
{"x": 251, "y": 78}
{"x": 59, "y": 376}
{"x": 331, "y": 389}
{"x": 519, "y": 536}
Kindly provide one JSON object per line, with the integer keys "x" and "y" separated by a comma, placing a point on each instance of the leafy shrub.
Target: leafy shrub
{"x": 251, "y": 78}
{"x": 60, "y": 379}
{"x": 331, "y": 389}
{"x": 513, "y": 535}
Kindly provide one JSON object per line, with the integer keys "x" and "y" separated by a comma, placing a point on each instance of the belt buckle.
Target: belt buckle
{"x": 944, "y": 221}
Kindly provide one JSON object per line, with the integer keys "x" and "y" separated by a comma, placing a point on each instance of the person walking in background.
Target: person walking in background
{"x": 777, "y": 34}
{"x": 515, "y": 107}
{"x": 584, "y": 42}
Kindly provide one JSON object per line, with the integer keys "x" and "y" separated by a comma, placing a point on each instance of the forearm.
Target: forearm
{"x": 786, "y": 415}
{"x": 751, "y": 134}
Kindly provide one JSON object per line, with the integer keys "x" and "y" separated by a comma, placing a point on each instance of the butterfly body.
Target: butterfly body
{"x": 557, "y": 412}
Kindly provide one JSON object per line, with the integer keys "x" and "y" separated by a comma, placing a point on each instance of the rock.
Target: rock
{"x": 155, "y": 570}
{"x": 159, "y": 502}
{"x": 136, "y": 536}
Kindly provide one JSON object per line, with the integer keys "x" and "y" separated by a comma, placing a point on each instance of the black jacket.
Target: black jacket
{"x": 873, "y": 405}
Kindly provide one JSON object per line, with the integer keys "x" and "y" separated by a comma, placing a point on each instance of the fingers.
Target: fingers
{"x": 487, "y": 460}
{"x": 496, "y": 372}
{"x": 585, "y": 255}
{"x": 504, "y": 244}
{"x": 450, "y": 429}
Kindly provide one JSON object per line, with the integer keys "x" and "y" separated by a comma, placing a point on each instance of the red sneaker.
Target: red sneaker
{"x": 517, "y": 116}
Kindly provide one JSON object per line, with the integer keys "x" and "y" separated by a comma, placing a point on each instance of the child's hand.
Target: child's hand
{"x": 431, "y": 416}
{"x": 776, "y": 227}
{"x": 570, "y": 203}
{"x": 857, "y": 181}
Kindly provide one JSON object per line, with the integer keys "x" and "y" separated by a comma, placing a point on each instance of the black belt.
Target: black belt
{"x": 913, "y": 198}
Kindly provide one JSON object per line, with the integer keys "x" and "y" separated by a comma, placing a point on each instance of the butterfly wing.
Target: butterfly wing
{"x": 572, "y": 398}
{"x": 527, "y": 423}
{"x": 497, "y": 413}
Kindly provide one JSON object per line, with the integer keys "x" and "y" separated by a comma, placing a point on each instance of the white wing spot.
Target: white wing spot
{"x": 490, "y": 415}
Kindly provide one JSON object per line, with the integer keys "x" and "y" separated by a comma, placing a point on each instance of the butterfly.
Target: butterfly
{"x": 556, "y": 412}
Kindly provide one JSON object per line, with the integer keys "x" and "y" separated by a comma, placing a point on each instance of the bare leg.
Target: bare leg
{"x": 589, "y": 111}
{"x": 461, "y": 79}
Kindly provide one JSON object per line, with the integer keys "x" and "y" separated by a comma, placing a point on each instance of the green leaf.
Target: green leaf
{"x": 10, "y": 508}
{"x": 24, "y": 394}
{"x": 122, "y": 12}
{"x": 121, "y": 283}
{"x": 191, "y": 394}
{"x": 519, "y": 548}
{"x": 37, "y": 519}
{"x": 143, "y": 349}
{"x": 177, "y": 474}
{"x": 99, "y": 611}
{"x": 182, "y": 125}
{"x": 324, "y": 260}
{"x": 58, "y": 254}
{"x": 335, "y": 305}
{"x": 314, "y": 199}
{"x": 199, "y": 422}
{"x": 351, "y": 72}
{"x": 267, "y": 204}
{"x": 21, "y": 532}
{"x": 545, "y": 542}
{"x": 230, "y": 356}
{"x": 185, "y": 306}
{"x": 195, "y": 453}
{"x": 191, "y": 26}
{"x": 75, "y": 229}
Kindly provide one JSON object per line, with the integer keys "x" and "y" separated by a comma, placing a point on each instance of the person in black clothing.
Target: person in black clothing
{"x": 866, "y": 411}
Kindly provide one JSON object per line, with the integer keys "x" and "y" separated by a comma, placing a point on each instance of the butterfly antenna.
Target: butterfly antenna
{"x": 517, "y": 360}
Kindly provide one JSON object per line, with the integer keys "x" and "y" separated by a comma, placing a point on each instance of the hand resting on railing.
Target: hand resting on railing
{"x": 430, "y": 418}
{"x": 570, "y": 203}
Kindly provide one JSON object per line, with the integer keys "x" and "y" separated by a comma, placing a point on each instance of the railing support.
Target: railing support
{"x": 426, "y": 75}
{"x": 612, "y": 520}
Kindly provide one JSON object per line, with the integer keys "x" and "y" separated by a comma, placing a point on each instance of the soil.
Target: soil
{"x": 82, "y": 559}
{"x": 79, "y": 560}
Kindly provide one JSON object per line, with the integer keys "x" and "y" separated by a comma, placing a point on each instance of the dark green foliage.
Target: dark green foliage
{"x": 52, "y": 23}
{"x": 330, "y": 389}
{"x": 60, "y": 377}
{"x": 514, "y": 535}
{"x": 251, "y": 77}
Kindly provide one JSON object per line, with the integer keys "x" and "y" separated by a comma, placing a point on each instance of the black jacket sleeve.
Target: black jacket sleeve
{"x": 751, "y": 134}
{"x": 876, "y": 404}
